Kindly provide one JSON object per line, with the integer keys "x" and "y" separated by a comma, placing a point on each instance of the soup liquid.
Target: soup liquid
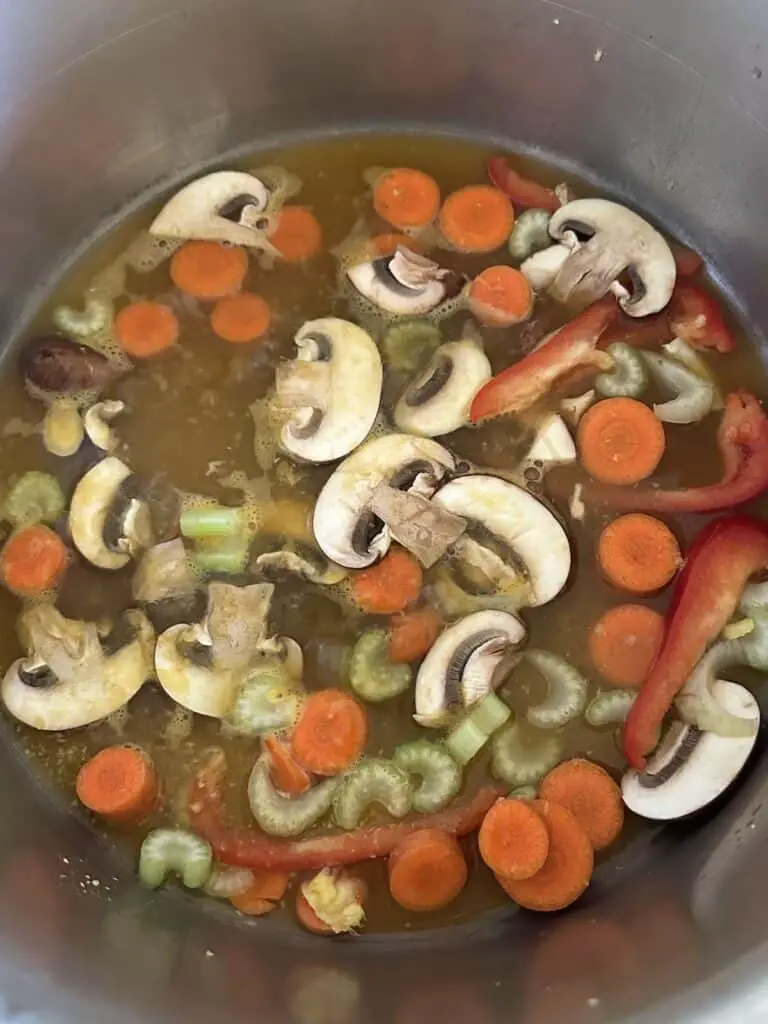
{"x": 188, "y": 417}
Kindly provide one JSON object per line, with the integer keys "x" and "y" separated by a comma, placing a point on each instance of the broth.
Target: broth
{"x": 188, "y": 417}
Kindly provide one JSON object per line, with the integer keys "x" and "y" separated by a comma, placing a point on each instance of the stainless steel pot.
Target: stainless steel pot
{"x": 663, "y": 102}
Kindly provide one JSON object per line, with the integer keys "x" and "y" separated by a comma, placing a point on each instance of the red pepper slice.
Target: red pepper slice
{"x": 695, "y": 316}
{"x": 522, "y": 191}
{"x": 572, "y": 347}
{"x": 251, "y": 849}
{"x": 687, "y": 261}
{"x": 642, "y": 332}
{"x": 743, "y": 441}
{"x": 723, "y": 557}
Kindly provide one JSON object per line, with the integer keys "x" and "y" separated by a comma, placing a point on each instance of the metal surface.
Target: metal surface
{"x": 663, "y": 101}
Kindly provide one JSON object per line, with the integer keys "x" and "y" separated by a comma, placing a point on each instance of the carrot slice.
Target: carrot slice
{"x": 513, "y": 840}
{"x": 209, "y": 270}
{"x": 241, "y": 318}
{"x": 621, "y": 441}
{"x": 330, "y": 733}
{"x": 411, "y": 634}
{"x": 638, "y": 553}
{"x": 264, "y": 893}
{"x": 145, "y": 328}
{"x": 427, "y": 871}
{"x": 297, "y": 235}
{"x": 625, "y": 642}
{"x": 386, "y": 244}
{"x": 568, "y": 868}
{"x": 390, "y": 585}
{"x": 287, "y": 775}
{"x": 406, "y": 198}
{"x": 32, "y": 560}
{"x": 478, "y": 218}
{"x": 500, "y": 296}
{"x": 118, "y": 783}
{"x": 592, "y": 797}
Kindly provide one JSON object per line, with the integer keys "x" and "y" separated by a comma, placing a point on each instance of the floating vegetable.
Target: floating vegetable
{"x": 265, "y": 703}
{"x": 406, "y": 198}
{"x": 208, "y": 270}
{"x": 468, "y": 738}
{"x": 500, "y": 297}
{"x": 287, "y": 774}
{"x": 35, "y": 498}
{"x": 438, "y": 400}
{"x": 695, "y": 316}
{"x": 521, "y": 759}
{"x": 620, "y": 441}
{"x": 175, "y": 850}
{"x": 627, "y": 379}
{"x": 372, "y": 674}
{"x": 530, "y": 234}
{"x": 225, "y": 882}
{"x": 427, "y": 871}
{"x": 405, "y": 283}
{"x": 390, "y": 585}
{"x": 372, "y": 781}
{"x": 119, "y": 784}
{"x": 513, "y": 840}
{"x": 411, "y": 634}
{"x": 567, "y": 690}
{"x": 279, "y": 815}
{"x": 625, "y": 642}
{"x": 204, "y": 521}
{"x": 592, "y": 797}
{"x": 694, "y": 396}
{"x": 330, "y": 734}
{"x": 108, "y": 516}
{"x": 609, "y": 708}
{"x": 296, "y": 234}
{"x": 97, "y": 420}
{"x": 638, "y": 553}
{"x": 441, "y": 777}
{"x": 63, "y": 430}
{"x": 476, "y": 218}
{"x": 331, "y": 903}
{"x": 94, "y": 318}
{"x": 55, "y": 365}
{"x": 522, "y": 191}
{"x": 145, "y": 328}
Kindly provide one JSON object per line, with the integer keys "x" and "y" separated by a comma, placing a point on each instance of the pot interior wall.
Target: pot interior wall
{"x": 661, "y": 103}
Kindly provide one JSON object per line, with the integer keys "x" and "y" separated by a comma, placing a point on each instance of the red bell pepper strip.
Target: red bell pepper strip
{"x": 522, "y": 191}
{"x": 743, "y": 441}
{"x": 642, "y": 332}
{"x": 687, "y": 261}
{"x": 723, "y": 557}
{"x": 695, "y": 316}
{"x": 248, "y": 848}
{"x": 571, "y": 348}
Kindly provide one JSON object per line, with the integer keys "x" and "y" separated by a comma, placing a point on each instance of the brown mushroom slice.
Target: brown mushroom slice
{"x": 52, "y": 365}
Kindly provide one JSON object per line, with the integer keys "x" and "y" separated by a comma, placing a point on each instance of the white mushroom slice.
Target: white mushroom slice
{"x": 311, "y": 566}
{"x": 220, "y": 207}
{"x": 521, "y": 522}
{"x": 552, "y": 445}
{"x": 67, "y": 680}
{"x": 691, "y": 768}
{"x": 97, "y": 421}
{"x": 345, "y": 527}
{"x": 165, "y": 571}
{"x": 336, "y": 410}
{"x": 466, "y": 662}
{"x": 194, "y": 685}
{"x": 413, "y": 521}
{"x": 619, "y": 242}
{"x": 405, "y": 283}
{"x": 62, "y": 428}
{"x": 574, "y": 408}
{"x": 88, "y": 512}
{"x": 542, "y": 268}
{"x": 438, "y": 400}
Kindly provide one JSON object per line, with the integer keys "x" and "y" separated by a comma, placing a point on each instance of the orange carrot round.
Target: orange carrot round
{"x": 297, "y": 235}
{"x": 386, "y": 244}
{"x": 264, "y": 893}
{"x": 331, "y": 732}
{"x": 119, "y": 783}
{"x": 145, "y": 328}
{"x": 241, "y": 318}
{"x": 406, "y": 198}
{"x": 478, "y": 218}
{"x": 427, "y": 871}
{"x": 209, "y": 270}
{"x": 567, "y": 870}
{"x": 620, "y": 441}
{"x": 625, "y": 642}
{"x": 287, "y": 775}
{"x": 390, "y": 585}
{"x": 411, "y": 634}
{"x": 638, "y": 553}
{"x": 500, "y": 296}
{"x": 592, "y": 797}
{"x": 513, "y": 840}
{"x": 32, "y": 560}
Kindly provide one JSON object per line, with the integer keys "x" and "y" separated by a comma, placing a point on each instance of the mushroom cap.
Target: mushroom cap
{"x": 403, "y": 284}
{"x": 620, "y": 241}
{"x": 89, "y": 508}
{"x": 196, "y": 210}
{"x": 206, "y": 691}
{"x": 521, "y": 521}
{"x": 437, "y": 401}
{"x": 461, "y": 666}
{"x": 345, "y": 412}
{"x": 345, "y": 528}
{"x": 691, "y": 768}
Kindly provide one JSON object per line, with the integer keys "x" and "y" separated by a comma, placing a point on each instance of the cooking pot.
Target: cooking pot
{"x": 663, "y": 103}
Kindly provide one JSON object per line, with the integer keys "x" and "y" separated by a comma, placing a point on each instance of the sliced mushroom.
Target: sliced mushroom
{"x": 690, "y": 769}
{"x": 97, "y": 422}
{"x": 167, "y": 583}
{"x": 68, "y": 679}
{"x": 333, "y": 387}
{"x": 108, "y": 519}
{"x": 185, "y": 672}
{"x": 415, "y": 522}
{"x": 619, "y": 242}
{"x": 235, "y": 624}
{"x": 63, "y": 428}
{"x": 226, "y": 206}
{"x": 53, "y": 365}
{"x": 467, "y": 661}
{"x": 542, "y": 268}
{"x": 346, "y": 528}
{"x": 438, "y": 400}
{"x": 552, "y": 446}
{"x": 300, "y": 561}
{"x": 405, "y": 283}
{"x": 520, "y": 522}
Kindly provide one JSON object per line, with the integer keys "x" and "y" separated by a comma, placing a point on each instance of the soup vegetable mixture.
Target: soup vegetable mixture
{"x": 373, "y": 535}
